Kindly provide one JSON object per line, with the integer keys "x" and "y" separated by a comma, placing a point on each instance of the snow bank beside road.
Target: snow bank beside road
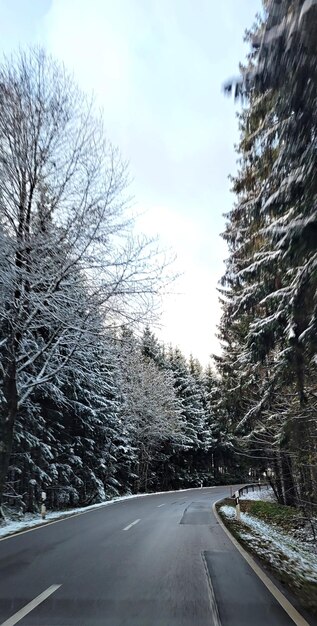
{"x": 278, "y": 547}
{"x": 259, "y": 494}
{"x": 30, "y": 520}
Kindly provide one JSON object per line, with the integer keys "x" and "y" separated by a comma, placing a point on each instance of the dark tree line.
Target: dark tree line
{"x": 269, "y": 292}
{"x": 130, "y": 416}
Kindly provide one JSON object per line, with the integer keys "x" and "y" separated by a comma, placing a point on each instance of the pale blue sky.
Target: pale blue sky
{"x": 157, "y": 69}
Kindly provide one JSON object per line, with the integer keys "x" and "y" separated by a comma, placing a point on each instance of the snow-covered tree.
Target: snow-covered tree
{"x": 269, "y": 322}
{"x": 66, "y": 247}
{"x": 150, "y": 410}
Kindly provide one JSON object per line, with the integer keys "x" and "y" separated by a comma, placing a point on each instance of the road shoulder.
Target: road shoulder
{"x": 283, "y": 596}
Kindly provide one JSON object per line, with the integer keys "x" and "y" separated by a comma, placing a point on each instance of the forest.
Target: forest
{"x": 268, "y": 367}
{"x": 92, "y": 405}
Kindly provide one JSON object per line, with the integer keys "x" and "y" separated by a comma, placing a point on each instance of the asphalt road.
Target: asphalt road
{"x": 159, "y": 560}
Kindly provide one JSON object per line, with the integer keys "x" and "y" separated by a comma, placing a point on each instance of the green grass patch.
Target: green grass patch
{"x": 273, "y": 513}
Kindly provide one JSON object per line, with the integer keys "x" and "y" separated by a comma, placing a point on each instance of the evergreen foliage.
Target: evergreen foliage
{"x": 269, "y": 291}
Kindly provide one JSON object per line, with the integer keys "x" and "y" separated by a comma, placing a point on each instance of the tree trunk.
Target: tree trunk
{"x": 8, "y": 413}
{"x": 277, "y": 480}
{"x": 288, "y": 480}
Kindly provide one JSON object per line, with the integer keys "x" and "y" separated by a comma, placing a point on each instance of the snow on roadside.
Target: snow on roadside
{"x": 260, "y": 494}
{"x": 29, "y": 520}
{"x": 282, "y": 550}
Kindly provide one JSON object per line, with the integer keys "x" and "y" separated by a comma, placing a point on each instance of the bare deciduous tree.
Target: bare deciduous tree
{"x": 66, "y": 251}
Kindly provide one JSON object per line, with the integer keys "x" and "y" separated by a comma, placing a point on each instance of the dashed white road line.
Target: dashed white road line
{"x": 158, "y": 506}
{"x": 130, "y": 525}
{"x": 30, "y": 606}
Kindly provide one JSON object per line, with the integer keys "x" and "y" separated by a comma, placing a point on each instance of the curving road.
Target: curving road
{"x": 159, "y": 560}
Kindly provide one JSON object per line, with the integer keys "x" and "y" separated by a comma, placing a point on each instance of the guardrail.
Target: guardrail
{"x": 248, "y": 487}
{"x": 252, "y": 487}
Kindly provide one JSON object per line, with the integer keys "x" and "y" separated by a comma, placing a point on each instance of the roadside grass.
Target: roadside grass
{"x": 279, "y": 537}
{"x": 273, "y": 513}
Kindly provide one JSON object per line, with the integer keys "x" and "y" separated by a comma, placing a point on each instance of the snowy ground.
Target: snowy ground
{"x": 283, "y": 551}
{"x": 29, "y": 520}
{"x": 266, "y": 494}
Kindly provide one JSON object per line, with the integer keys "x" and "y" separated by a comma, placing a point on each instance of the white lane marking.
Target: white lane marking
{"x": 297, "y": 618}
{"x": 69, "y": 517}
{"x": 29, "y": 607}
{"x": 130, "y": 525}
{"x": 158, "y": 506}
{"x": 212, "y": 597}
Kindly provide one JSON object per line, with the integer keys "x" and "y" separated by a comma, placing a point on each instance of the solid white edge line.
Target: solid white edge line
{"x": 130, "y": 525}
{"x": 211, "y": 593}
{"x": 30, "y": 606}
{"x": 297, "y": 618}
{"x": 108, "y": 503}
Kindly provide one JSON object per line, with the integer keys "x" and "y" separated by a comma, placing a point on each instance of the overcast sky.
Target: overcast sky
{"x": 157, "y": 69}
